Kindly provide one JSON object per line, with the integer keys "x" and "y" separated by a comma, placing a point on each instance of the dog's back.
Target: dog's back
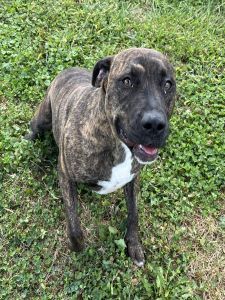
{"x": 65, "y": 93}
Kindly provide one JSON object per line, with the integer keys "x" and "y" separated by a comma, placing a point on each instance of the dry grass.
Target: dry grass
{"x": 205, "y": 239}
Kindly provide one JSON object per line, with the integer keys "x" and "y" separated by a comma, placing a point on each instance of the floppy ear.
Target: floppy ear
{"x": 101, "y": 70}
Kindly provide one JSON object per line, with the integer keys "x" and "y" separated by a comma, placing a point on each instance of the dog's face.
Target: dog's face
{"x": 139, "y": 89}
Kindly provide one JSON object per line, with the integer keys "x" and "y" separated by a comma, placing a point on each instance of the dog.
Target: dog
{"x": 107, "y": 125}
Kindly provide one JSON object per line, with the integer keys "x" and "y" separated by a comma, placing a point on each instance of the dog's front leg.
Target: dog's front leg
{"x": 133, "y": 245}
{"x": 69, "y": 194}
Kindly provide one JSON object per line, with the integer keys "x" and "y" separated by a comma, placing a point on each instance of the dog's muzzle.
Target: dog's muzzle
{"x": 145, "y": 141}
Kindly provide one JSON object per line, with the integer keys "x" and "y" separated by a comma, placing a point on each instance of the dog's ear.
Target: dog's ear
{"x": 101, "y": 70}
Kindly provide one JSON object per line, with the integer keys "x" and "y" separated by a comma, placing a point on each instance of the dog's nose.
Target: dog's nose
{"x": 153, "y": 121}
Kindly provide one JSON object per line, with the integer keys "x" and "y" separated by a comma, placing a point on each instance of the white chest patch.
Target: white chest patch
{"x": 121, "y": 174}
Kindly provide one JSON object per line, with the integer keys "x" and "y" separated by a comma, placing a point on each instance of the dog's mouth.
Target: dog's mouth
{"x": 143, "y": 153}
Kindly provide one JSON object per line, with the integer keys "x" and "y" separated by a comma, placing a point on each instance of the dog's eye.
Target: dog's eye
{"x": 127, "y": 82}
{"x": 167, "y": 86}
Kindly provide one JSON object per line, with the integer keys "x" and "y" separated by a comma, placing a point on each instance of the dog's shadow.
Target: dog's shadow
{"x": 43, "y": 160}
{"x": 47, "y": 153}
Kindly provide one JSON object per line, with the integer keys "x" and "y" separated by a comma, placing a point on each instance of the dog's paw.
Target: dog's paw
{"x": 76, "y": 242}
{"x": 31, "y": 136}
{"x": 136, "y": 253}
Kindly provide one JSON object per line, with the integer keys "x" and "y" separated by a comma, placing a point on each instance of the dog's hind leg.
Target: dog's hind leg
{"x": 42, "y": 120}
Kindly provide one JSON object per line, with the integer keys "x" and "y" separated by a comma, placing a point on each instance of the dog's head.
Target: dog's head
{"x": 139, "y": 90}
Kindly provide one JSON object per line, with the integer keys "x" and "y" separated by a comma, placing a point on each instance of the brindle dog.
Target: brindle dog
{"x": 107, "y": 130}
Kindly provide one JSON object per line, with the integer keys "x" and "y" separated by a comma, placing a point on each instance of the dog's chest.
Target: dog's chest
{"x": 121, "y": 174}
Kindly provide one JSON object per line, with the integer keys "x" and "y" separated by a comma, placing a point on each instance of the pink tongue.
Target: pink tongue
{"x": 149, "y": 150}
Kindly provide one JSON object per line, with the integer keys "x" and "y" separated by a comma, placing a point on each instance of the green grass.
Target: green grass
{"x": 39, "y": 39}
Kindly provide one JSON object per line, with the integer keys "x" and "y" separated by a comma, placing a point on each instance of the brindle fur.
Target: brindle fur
{"x": 82, "y": 119}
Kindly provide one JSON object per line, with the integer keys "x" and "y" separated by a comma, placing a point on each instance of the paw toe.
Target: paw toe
{"x": 76, "y": 243}
{"x": 136, "y": 253}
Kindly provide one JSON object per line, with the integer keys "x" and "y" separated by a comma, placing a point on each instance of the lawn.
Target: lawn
{"x": 181, "y": 203}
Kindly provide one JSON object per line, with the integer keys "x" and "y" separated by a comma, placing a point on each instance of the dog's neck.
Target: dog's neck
{"x": 104, "y": 119}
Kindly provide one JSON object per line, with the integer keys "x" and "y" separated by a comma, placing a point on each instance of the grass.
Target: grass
{"x": 207, "y": 265}
{"x": 181, "y": 206}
